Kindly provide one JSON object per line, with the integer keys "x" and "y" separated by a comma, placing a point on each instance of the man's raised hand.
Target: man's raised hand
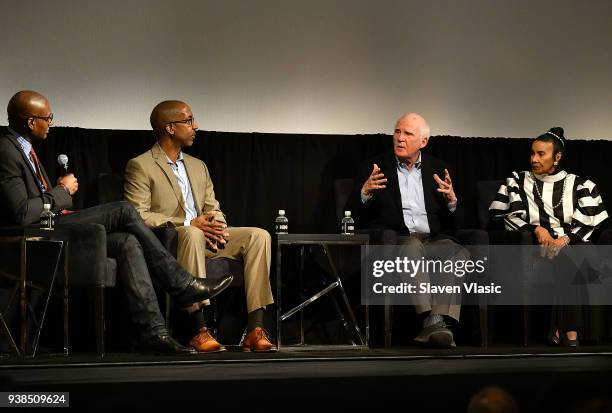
{"x": 446, "y": 187}
{"x": 375, "y": 181}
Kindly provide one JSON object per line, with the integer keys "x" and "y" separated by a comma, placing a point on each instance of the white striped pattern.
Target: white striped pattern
{"x": 523, "y": 204}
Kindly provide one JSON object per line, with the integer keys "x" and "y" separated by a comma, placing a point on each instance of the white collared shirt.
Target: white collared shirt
{"x": 180, "y": 172}
{"x": 413, "y": 197}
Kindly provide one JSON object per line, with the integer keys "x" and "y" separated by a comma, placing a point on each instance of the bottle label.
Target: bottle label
{"x": 46, "y": 223}
{"x": 281, "y": 228}
{"x": 348, "y": 228}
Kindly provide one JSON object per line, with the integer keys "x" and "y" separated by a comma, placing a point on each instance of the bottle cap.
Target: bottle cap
{"x": 281, "y": 212}
{"x": 347, "y": 213}
{"x": 47, "y": 206}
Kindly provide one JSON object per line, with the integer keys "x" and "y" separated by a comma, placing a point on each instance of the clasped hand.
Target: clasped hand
{"x": 214, "y": 231}
{"x": 549, "y": 246}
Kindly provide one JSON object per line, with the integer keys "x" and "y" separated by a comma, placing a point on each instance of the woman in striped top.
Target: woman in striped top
{"x": 559, "y": 208}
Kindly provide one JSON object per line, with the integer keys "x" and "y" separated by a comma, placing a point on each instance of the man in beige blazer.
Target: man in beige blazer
{"x": 170, "y": 188}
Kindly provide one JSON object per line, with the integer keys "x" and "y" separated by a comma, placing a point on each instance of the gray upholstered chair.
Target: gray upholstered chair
{"x": 87, "y": 264}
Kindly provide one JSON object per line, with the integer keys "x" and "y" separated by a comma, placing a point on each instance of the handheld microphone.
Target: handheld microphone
{"x": 63, "y": 161}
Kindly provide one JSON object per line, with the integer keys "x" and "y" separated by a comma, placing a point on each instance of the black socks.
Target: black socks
{"x": 255, "y": 319}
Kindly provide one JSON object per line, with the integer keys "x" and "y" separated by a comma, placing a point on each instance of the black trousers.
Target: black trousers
{"x": 573, "y": 266}
{"x": 141, "y": 258}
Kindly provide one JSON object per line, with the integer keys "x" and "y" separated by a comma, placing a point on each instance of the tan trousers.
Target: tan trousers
{"x": 249, "y": 244}
{"x": 453, "y": 251}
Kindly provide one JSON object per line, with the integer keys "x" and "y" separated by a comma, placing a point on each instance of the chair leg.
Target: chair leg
{"x": 484, "y": 326}
{"x": 215, "y": 315}
{"x": 388, "y": 324}
{"x": 7, "y": 330}
{"x": 526, "y": 325}
{"x": 99, "y": 319}
{"x": 168, "y": 311}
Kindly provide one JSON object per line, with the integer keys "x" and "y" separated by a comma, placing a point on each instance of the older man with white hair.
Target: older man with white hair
{"x": 407, "y": 197}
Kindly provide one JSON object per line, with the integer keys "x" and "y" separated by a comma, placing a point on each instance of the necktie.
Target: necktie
{"x": 39, "y": 174}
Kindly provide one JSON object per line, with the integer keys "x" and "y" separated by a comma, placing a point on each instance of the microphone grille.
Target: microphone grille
{"x": 62, "y": 159}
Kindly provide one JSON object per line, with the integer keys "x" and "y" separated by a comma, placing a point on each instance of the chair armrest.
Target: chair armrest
{"x": 472, "y": 236}
{"x": 604, "y": 237}
{"x": 502, "y": 237}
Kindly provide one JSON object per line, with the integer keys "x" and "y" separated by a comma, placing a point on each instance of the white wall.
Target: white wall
{"x": 472, "y": 68}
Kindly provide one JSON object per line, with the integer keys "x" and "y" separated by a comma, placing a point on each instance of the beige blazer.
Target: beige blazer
{"x": 151, "y": 186}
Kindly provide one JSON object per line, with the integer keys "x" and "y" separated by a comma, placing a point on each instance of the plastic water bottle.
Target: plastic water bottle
{"x": 348, "y": 224}
{"x": 47, "y": 220}
{"x": 281, "y": 223}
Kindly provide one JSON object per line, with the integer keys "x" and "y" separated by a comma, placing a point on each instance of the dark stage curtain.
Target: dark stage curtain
{"x": 255, "y": 174}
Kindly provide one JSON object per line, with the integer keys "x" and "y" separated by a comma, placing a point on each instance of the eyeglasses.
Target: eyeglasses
{"x": 48, "y": 119}
{"x": 189, "y": 121}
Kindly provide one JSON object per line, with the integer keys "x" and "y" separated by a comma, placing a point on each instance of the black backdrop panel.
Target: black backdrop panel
{"x": 255, "y": 174}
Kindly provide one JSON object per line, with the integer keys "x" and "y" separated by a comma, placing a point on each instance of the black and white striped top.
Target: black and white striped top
{"x": 565, "y": 204}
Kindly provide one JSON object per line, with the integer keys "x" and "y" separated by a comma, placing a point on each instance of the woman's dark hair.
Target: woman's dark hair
{"x": 556, "y": 137}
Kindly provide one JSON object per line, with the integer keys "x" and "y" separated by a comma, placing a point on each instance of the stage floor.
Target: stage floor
{"x": 442, "y": 379}
{"x": 305, "y": 353}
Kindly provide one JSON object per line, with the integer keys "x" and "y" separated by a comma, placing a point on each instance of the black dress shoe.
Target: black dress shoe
{"x": 200, "y": 289}
{"x": 164, "y": 345}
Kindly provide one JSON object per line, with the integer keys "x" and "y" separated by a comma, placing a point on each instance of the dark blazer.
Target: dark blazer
{"x": 21, "y": 195}
{"x": 384, "y": 210}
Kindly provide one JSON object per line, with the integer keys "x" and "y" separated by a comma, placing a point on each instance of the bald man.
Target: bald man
{"x": 409, "y": 193}
{"x": 25, "y": 187}
{"x": 170, "y": 188}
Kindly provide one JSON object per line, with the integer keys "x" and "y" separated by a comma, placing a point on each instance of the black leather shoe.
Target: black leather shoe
{"x": 164, "y": 345}
{"x": 202, "y": 289}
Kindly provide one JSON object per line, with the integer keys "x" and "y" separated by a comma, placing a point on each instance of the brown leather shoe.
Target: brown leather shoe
{"x": 258, "y": 341}
{"x": 204, "y": 342}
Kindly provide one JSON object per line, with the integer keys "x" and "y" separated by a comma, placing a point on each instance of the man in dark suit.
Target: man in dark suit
{"x": 25, "y": 188}
{"x": 402, "y": 194}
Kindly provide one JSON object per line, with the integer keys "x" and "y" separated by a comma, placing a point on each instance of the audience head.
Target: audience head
{"x": 173, "y": 121}
{"x": 492, "y": 399}
{"x": 548, "y": 152}
{"x": 594, "y": 405}
{"x": 411, "y": 134}
{"x": 29, "y": 114}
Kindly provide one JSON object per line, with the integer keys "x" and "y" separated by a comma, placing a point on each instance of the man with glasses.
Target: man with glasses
{"x": 25, "y": 187}
{"x": 170, "y": 188}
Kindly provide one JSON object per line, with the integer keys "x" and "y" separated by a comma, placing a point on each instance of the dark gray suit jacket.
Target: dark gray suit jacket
{"x": 21, "y": 195}
{"x": 384, "y": 210}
